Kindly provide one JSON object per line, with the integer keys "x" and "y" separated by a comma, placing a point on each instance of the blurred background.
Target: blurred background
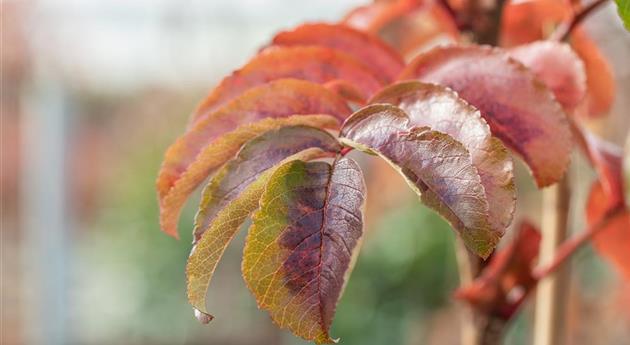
{"x": 92, "y": 94}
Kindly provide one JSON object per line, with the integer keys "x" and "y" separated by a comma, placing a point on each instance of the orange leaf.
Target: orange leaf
{"x": 216, "y": 138}
{"x": 606, "y": 196}
{"x": 378, "y": 56}
{"x": 520, "y": 110}
{"x": 532, "y": 20}
{"x": 599, "y": 76}
{"x": 315, "y": 64}
{"x": 373, "y": 17}
{"x": 420, "y": 29}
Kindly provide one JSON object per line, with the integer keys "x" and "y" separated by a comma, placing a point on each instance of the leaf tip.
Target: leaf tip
{"x": 202, "y": 317}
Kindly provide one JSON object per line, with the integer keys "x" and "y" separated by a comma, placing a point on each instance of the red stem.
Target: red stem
{"x": 564, "y": 30}
{"x": 345, "y": 150}
{"x": 449, "y": 9}
{"x": 569, "y": 247}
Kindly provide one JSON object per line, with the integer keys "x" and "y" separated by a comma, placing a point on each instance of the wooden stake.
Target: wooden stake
{"x": 551, "y": 293}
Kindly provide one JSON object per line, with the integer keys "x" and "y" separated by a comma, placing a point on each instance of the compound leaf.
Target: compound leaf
{"x": 301, "y": 246}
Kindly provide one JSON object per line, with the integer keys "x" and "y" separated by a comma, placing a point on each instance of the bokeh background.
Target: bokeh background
{"x": 93, "y": 92}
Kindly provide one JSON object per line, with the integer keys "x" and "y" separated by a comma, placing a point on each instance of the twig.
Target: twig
{"x": 563, "y": 32}
{"x": 568, "y": 248}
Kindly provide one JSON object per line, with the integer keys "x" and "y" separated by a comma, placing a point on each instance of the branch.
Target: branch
{"x": 569, "y": 247}
{"x": 563, "y": 32}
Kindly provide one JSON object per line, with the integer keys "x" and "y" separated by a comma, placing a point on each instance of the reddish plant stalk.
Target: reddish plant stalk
{"x": 345, "y": 150}
{"x": 569, "y": 247}
{"x": 564, "y": 31}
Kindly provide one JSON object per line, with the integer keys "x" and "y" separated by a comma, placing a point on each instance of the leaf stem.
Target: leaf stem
{"x": 569, "y": 247}
{"x": 345, "y": 150}
{"x": 563, "y": 32}
{"x": 449, "y": 9}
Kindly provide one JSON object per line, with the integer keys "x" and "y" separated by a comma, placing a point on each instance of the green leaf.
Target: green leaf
{"x": 303, "y": 242}
{"x": 233, "y": 193}
{"x": 435, "y": 165}
{"x": 623, "y": 6}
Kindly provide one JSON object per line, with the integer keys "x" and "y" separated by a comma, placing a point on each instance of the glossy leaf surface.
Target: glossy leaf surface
{"x": 558, "y": 66}
{"x": 302, "y": 243}
{"x": 312, "y": 63}
{"x": 434, "y": 164}
{"x": 233, "y": 193}
{"x": 442, "y": 110}
{"x": 369, "y": 49}
{"x": 520, "y": 110}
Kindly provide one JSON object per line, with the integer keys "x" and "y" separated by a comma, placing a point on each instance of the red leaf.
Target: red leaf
{"x": 315, "y": 64}
{"x": 533, "y": 20}
{"x": 520, "y": 110}
{"x": 508, "y": 278}
{"x": 606, "y": 197}
{"x": 613, "y": 241}
{"x": 378, "y": 56}
{"x": 606, "y": 158}
{"x": 557, "y": 65}
{"x": 436, "y": 166}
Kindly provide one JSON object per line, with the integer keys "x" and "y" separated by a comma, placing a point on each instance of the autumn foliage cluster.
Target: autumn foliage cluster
{"x": 405, "y": 81}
